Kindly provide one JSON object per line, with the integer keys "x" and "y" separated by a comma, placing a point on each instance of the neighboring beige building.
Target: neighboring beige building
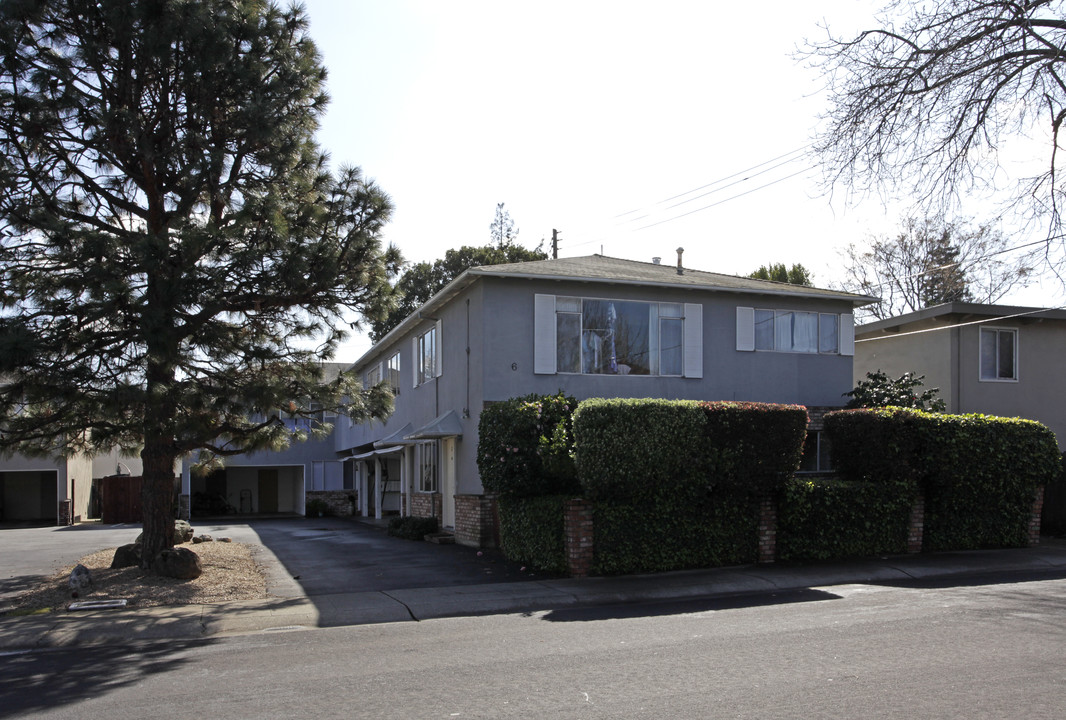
{"x": 45, "y": 489}
{"x": 992, "y": 359}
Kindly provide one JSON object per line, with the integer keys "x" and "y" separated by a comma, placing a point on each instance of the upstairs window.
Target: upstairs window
{"x": 392, "y": 372}
{"x": 795, "y": 331}
{"x": 999, "y": 354}
{"x": 427, "y": 355}
{"x": 591, "y": 336}
{"x": 792, "y": 331}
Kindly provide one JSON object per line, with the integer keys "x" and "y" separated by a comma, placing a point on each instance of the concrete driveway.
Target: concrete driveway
{"x": 302, "y": 557}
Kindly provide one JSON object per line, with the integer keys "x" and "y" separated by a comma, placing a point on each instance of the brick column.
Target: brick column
{"x": 1034, "y": 519}
{"x": 577, "y": 532}
{"x": 184, "y": 508}
{"x": 64, "y": 511}
{"x": 916, "y": 529}
{"x": 767, "y": 529}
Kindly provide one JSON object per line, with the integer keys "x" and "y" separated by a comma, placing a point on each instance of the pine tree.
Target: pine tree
{"x": 176, "y": 259}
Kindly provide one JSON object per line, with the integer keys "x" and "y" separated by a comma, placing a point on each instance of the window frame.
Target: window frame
{"x": 687, "y": 315}
{"x": 771, "y": 317}
{"x": 997, "y": 332}
{"x": 392, "y": 372}
{"x": 428, "y": 459}
{"x": 425, "y": 371}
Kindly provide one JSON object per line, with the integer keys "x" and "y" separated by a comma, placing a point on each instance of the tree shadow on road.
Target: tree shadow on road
{"x": 42, "y": 680}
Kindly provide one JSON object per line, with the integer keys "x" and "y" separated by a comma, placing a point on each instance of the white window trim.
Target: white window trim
{"x": 416, "y": 352}
{"x": 998, "y": 329}
{"x": 545, "y": 339}
{"x": 746, "y": 332}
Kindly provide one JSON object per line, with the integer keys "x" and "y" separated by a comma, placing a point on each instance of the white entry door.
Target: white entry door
{"x": 447, "y": 482}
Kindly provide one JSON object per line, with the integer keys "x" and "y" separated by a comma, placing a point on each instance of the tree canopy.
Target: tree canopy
{"x": 923, "y": 104}
{"x": 176, "y": 258}
{"x": 795, "y": 275}
{"x": 423, "y": 280}
{"x": 932, "y": 261}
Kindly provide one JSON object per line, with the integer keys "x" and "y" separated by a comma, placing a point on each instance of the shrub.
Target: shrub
{"x": 754, "y": 445}
{"x": 676, "y": 529}
{"x": 525, "y": 446}
{"x": 531, "y": 531}
{"x": 879, "y": 390}
{"x": 316, "y": 507}
{"x": 978, "y": 473}
{"x": 412, "y": 528}
{"x": 827, "y": 518}
{"x": 628, "y": 449}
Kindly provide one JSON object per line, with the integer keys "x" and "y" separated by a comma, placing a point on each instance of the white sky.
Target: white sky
{"x": 577, "y": 113}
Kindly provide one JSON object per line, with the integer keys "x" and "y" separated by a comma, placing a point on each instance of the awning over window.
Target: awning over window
{"x": 445, "y": 426}
{"x": 396, "y": 438}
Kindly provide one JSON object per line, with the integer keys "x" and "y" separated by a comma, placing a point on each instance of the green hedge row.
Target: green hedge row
{"x": 978, "y": 473}
{"x": 676, "y": 531}
{"x": 526, "y": 446}
{"x": 531, "y": 530}
{"x": 825, "y": 518}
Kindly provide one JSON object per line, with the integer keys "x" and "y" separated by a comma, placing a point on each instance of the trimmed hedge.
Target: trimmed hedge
{"x": 629, "y": 450}
{"x": 526, "y": 446}
{"x": 531, "y": 531}
{"x": 827, "y": 518}
{"x": 754, "y": 445}
{"x": 981, "y": 475}
{"x": 978, "y": 473}
{"x": 674, "y": 530}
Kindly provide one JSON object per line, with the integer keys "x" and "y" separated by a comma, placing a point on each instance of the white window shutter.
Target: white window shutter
{"x": 544, "y": 334}
{"x": 693, "y": 332}
{"x": 438, "y": 354}
{"x": 847, "y": 334}
{"x": 416, "y": 363}
{"x": 745, "y": 328}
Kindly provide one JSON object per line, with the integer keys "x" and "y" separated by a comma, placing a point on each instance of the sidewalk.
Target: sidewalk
{"x": 299, "y": 611}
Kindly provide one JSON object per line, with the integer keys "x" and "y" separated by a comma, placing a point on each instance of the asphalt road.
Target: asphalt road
{"x": 991, "y": 650}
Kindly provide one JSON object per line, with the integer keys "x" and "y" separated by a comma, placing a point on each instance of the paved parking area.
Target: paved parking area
{"x": 301, "y": 556}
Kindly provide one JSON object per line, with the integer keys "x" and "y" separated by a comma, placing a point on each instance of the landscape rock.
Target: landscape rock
{"x": 202, "y": 539}
{"x": 81, "y": 580}
{"x": 180, "y": 563}
{"x": 127, "y": 556}
{"x": 225, "y": 539}
{"x": 183, "y": 533}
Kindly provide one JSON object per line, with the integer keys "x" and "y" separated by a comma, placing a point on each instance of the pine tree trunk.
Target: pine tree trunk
{"x": 157, "y": 500}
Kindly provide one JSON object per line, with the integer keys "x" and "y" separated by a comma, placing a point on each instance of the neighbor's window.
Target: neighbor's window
{"x": 428, "y": 466}
{"x": 373, "y": 376}
{"x": 999, "y": 354}
{"x": 618, "y": 337}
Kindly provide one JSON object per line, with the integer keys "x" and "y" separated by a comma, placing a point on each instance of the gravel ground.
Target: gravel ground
{"x": 230, "y": 573}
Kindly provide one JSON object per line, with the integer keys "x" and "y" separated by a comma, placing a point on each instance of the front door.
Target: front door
{"x": 268, "y": 491}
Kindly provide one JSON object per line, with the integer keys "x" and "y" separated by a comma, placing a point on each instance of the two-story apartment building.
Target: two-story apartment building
{"x": 592, "y": 327}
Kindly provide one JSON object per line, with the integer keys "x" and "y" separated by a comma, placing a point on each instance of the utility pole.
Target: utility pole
{"x": 555, "y": 244}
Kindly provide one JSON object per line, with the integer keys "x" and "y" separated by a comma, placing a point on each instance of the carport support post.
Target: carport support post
{"x": 377, "y": 487}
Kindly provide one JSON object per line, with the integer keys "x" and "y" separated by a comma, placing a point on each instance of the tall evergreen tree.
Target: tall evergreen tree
{"x": 795, "y": 275}
{"x": 175, "y": 256}
{"x": 423, "y": 280}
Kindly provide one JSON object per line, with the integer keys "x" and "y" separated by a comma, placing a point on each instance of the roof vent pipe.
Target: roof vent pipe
{"x": 680, "y": 267}
{"x": 655, "y": 260}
